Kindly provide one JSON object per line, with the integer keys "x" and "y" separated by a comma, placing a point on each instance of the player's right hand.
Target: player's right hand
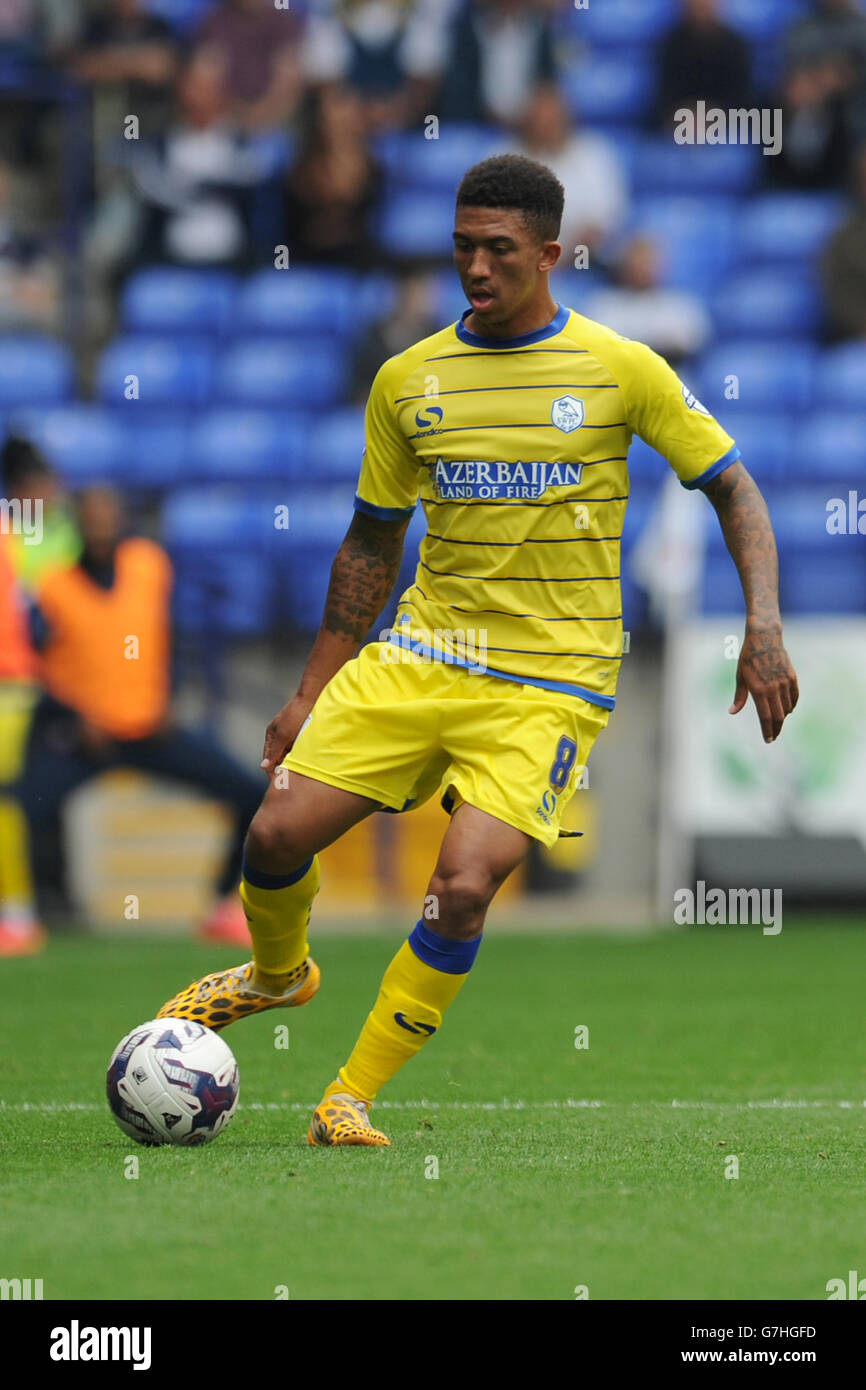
{"x": 283, "y": 730}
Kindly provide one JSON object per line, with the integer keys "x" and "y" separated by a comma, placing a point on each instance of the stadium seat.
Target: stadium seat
{"x": 695, "y": 236}
{"x": 607, "y": 88}
{"x": 238, "y": 446}
{"x": 304, "y": 299}
{"x": 305, "y": 553}
{"x": 787, "y": 226}
{"x": 286, "y": 373}
{"x": 762, "y": 20}
{"x": 721, "y": 591}
{"x": 417, "y": 225}
{"x": 775, "y": 374}
{"x": 824, "y": 580}
{"x": 763, "y": 301}
{"x": 413, "y": 162}
{"x": 84, "y": 443}
{"x": 608, "y": 24}
{"x": 182, "y": 15}
{"x": 662, "y": 166}
{"x": 155, "y": 453}
{"x": 645, "y": 464}
{"x": 34, "y": 371}
{"x": 168, "y": 299}
{"x": 832, "y": 444}
{"x": 765, "y": 439}
{"x": 842, "y": 376}
{"x": 162, "y": 371}
{"x": 335, "y": 448}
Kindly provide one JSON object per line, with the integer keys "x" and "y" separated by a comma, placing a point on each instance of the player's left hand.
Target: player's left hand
{"x": 764, "y": 671}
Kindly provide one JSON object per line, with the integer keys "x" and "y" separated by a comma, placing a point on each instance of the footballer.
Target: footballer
{"x": 511, "y": 427}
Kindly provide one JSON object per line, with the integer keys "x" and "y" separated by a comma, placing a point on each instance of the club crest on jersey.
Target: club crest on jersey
{"x": 567, "y": 413}
{"x": 500, "y": 480}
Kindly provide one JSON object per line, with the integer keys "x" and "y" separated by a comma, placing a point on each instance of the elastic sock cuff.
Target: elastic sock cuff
{"x": 257, "y": 879}
{"x": 440, "y": 952}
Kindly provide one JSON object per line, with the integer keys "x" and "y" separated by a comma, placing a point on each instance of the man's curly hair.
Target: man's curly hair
{"x": 519, "y": 184}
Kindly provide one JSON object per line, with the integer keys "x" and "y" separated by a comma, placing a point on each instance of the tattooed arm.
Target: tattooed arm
{"x": 764, "y": 668}
{"x": 363, "y": 574}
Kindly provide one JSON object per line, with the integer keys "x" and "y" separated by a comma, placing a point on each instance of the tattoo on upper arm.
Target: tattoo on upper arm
{"x": 363, "y": 574}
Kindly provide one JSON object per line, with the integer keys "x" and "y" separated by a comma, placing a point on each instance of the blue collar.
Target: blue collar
{"x": 556, "y": 325}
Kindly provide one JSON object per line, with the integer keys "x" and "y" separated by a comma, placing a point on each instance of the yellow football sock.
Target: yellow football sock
{"x": 16, "y": 883}
{"x": 277, "y": 909}
{"x": 424, "y": 977}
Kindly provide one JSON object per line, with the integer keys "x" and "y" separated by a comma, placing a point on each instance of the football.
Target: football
{"x": 171, "y": 1081}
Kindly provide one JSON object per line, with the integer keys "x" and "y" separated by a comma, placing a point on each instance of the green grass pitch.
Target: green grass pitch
{"x": 626, "y": 1195}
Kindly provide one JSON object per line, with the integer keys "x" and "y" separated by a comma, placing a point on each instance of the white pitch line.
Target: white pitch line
{"x": 90, "y": 1107}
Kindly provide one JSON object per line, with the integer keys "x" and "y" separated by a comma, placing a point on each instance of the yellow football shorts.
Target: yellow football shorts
{"x": 395, "y": 727}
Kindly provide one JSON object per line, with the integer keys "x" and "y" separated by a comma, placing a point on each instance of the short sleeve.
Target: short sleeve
{"x": 668, "y": 417}
{"x": 390, "y": 470}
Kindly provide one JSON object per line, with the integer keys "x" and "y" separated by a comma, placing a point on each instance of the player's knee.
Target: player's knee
{"x": 272, "y": 844}
{"x": 461, "y": 899}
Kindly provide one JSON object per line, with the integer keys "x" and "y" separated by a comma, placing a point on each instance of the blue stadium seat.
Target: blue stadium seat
{"x": 156, "y": 446}
{"x": 237, "y": 446}
{"x": 721, "y": 591}
{"x": 775, "y": 374}
{"x": 169, "y": 372}
{"x": 168, "y": 299}
{"x": 83, "y": 442}
{"x": 763, "y": 301}
{"x": 411, "y": 161}
{"x": 765, "y": 439}
{"x": 665, "y": 167}
{"x": 288, "y": 374}
{"x": 335, "y": 448}
{"x": 34, "y": 371}
{"x": 575, "y": 288}
{"x": 832, "y": 444}
{"x": 824, "y": 580}
{"x": 787, "y": 226}
{"x": 182, "y": 15}
{"x": 646, "y": 464}
{"x": 842, "y": 376}
{"x": 760, "y": 20}
{"x": 608, "y": 89}
{"x": 305, "y": 553}
{"x": 417, "y": 225}
{"x": 609, "y": 24}
{"x": 303, "y": 299}
{"x": 695, "y": 235}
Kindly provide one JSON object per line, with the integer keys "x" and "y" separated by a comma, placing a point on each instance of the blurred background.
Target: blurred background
{"x": 217, "y": 218}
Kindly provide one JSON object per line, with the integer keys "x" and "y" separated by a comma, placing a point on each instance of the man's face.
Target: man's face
{"x": 500, "y": 262}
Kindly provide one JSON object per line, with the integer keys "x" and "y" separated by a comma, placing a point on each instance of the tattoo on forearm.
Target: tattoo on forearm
{"x": 362, "y": 576}
{"x": 748, "y": 534}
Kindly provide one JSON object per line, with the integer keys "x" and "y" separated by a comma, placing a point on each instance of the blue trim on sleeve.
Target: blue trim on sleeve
{"x": 550, "y": 330}
{"x": 383, "y": 513}
{"x": 440, "y": 952}
{"x": 715, "y": 468}
{"x": 259, "y": 880}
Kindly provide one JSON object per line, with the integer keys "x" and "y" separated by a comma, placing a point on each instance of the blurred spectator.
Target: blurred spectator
{"x": 37, "y": 29}
{"x": 586, "y": 164}
{"x": 29, "y": 479}
{"x": 334, "y": 186}
{"x": 844, "y": 263}
{"x": 673, "y": 322}
{"x": 124, "y": 47}
{"x": 103, "y": 709}
{"x": 30, "y": 280}
{"x": 260, "y": 47}
{"x": 823, "y": 96}
{"x": 700, "y": 59}
{"x": 195, "y": 182}
{"x": 499, "y": 52}
{"x": 411, "y": 319}
{"x": 390, "y": 51}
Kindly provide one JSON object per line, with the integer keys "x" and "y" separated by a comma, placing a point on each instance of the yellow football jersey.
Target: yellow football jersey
{"x": 517, "y": 450}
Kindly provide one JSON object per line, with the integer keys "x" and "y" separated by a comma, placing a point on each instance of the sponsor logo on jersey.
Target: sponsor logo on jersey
{"x": 429, "y": 417}
{"x": 415, "y": 1027}
{"x": 693, "y": 403}
{"x": 458, "y": 478}
{"x": 567, "y": 413}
